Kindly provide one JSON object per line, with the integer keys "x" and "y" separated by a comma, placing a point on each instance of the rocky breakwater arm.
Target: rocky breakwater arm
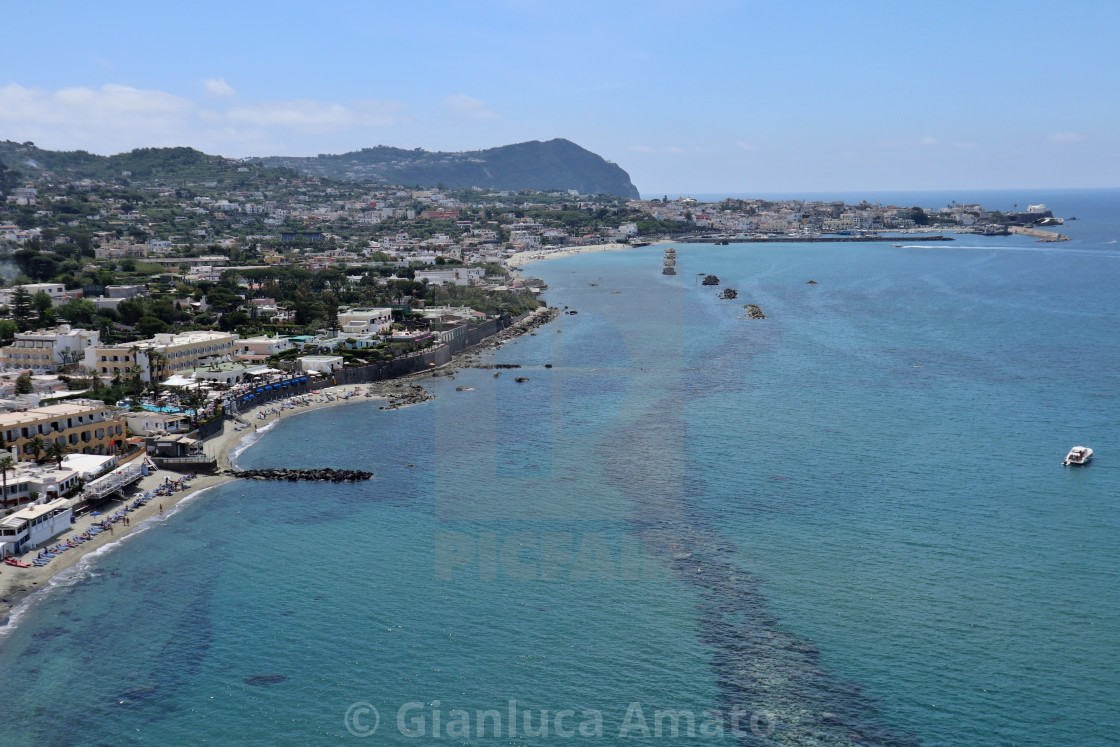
{"x": 536, "y": 318}
{"x": 1038, "y": 233}
{"x": 292, "y": 475}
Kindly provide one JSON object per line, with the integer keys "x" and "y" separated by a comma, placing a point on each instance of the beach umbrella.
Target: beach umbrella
{"x": 94, "y": 513}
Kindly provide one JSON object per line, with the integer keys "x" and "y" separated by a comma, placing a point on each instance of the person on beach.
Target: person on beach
{"x": 161, "y": 508}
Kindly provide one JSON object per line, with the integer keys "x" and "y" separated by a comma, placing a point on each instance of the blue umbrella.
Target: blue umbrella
{"x": 94, "y": 513}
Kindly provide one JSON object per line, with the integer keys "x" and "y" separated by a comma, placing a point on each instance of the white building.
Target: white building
{"x": 258, "y": 349}
{"x": 32, "y": 526}
{"x": 451, "y": 275}
{"x": 321, "y": 363}
{"x": 365, "y": 321}
{"x": 57, "y": 292}
{"x": 146, "y": 423}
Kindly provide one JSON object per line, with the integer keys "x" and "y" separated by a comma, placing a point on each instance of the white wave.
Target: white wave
{"x": 81, "y": 569}
{"x": 248, "y": 440}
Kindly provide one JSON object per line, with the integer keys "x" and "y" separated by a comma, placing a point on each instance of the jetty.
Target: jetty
{"x": 1045, "y": 237}
{"x": 292, "y": 475}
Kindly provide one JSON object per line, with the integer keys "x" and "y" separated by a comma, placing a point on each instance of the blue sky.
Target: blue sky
{"x": 700, "y": 96}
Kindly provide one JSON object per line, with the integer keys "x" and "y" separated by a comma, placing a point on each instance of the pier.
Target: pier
{"x": 1038, "y": 233}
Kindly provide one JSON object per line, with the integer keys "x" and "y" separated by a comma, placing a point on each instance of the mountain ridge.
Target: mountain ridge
{"x": 548, "y": 165}
{"x": 556, "y": 164}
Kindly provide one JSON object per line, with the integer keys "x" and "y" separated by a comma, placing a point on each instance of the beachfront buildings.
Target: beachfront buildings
{"x": 43, "y": 351}
{"x": 34, "y": 525}
{"x": 85, "y": 426}
{"x": 160, "y": 356}
{"x": 148, "y": 422}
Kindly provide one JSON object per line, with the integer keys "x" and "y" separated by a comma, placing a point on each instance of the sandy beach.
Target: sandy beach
{"x": 18, "y": 583}
{"x": 541, "y": 255}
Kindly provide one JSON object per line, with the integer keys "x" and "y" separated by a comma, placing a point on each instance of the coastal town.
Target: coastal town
{"x": 141, "y": 316}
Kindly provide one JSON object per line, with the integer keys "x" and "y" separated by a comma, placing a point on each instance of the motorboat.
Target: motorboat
{"x": 1078, "y": 455}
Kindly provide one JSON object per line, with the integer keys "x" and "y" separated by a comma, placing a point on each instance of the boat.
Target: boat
{"x": 1078, "y": 455}
{"x": 897, "y": 245}
{"x": 16, "y": 563}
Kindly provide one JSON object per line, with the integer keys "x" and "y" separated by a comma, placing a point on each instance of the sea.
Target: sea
{"x": 847, "y": 523}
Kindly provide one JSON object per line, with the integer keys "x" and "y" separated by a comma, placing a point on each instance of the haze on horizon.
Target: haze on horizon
{"x": 706, "y": 97}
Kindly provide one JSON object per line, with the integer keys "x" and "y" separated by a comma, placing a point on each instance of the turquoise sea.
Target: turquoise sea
{"x": 847, "y": 523}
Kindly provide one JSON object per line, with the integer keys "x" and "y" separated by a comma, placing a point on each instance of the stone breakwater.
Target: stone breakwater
{"x": 536, "y": 318}
{"x": 292, "y": 475}
{"x": 1038, "y": 233}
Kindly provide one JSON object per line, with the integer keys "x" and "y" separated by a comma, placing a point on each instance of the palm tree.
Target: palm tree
{"x": 156, "y": 363}
{"x": 37, "y": 445}
{"x": 6, "y": 463}
{"x": 57, "y": 452}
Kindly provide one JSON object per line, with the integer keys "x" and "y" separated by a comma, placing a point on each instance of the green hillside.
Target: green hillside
{"x": 555, "y": 164}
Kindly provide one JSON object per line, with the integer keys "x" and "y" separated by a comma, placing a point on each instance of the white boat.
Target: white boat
{"x": 1078, "y": 455}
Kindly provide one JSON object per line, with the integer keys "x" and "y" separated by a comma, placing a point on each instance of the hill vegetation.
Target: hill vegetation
{"x": 553, "y": 165}
{"x": 149, "y": 165}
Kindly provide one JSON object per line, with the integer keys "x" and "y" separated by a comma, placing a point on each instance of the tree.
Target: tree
{"x": 43, "y": 306}
{"x": 8, "y": 329}
{"x": 23, "y": 384}
{"x": 149, "y": 326}
{"x": 56, "y": 451}
{"x": 78, "y": 311}
{"x": 37, "y": 445}
{"x": 6, "y": 463}
{"x": 20, "y": 308}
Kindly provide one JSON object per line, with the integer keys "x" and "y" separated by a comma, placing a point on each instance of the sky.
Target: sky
{"x": 703, "y": 96}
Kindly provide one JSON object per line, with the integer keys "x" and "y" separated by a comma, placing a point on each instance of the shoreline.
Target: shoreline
{"x": 18, "y": 586}
{"x": 543, "y": 255}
